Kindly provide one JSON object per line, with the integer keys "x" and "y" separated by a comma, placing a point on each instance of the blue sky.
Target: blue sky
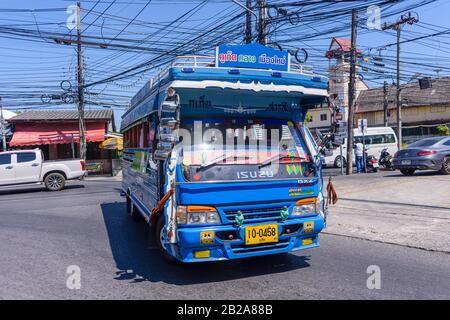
{"x": 32, "y": 68}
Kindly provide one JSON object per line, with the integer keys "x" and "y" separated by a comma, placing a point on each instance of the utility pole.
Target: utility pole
{"x": 82, "y": 128}
{"x": 248, "y": 23}
{"x": 351, "y": 94}
{"x": 397, "y": 26}
{"x": 385, "y": 103}
{"x": 2, "y": 128}
{"x": 262, "y": 25}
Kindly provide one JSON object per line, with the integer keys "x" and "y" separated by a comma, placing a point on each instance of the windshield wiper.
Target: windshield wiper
{"x": 217, "y": 160}
{"x": 278, "y": 157}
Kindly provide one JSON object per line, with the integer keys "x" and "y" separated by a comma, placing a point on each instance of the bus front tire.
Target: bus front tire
{"x": 159, "y": 234}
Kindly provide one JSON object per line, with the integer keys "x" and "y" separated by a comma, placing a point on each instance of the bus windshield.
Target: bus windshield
{"x": 243, "y": 149}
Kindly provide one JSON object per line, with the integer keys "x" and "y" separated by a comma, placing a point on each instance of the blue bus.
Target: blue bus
{"x": 218, "y": 161}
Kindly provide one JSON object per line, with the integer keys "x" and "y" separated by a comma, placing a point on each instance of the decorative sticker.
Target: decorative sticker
{"x": 296, "y": 192}
{"x": 308, "y": 227}
{"x": 207, "y": 237}
{"x": 294, "y": 169}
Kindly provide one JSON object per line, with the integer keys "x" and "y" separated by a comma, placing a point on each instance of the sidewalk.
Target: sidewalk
{"x": 391, "y": 208}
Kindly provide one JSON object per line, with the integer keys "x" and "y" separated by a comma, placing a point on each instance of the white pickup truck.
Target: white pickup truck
{"x": 28, "y": 166}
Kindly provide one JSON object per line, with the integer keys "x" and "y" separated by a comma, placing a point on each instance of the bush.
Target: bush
{"x": 443, "y": 130}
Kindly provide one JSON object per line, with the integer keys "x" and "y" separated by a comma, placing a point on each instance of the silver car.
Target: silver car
{"x": 426, "y": 154}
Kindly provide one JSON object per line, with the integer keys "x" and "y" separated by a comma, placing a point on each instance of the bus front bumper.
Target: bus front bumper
{"x": 292, "y": 236}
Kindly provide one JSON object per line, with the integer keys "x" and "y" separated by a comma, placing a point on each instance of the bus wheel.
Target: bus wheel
{"x": 337, "y": 162}
{"x": 160, "y": 243}
{"x": 131, "y": 209}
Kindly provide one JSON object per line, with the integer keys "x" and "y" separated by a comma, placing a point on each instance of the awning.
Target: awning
{"x": 26, "y": 134}
{"x": 112, "y": 144}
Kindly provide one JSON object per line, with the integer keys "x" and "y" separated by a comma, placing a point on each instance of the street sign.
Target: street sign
{"x": 362, "y": 126}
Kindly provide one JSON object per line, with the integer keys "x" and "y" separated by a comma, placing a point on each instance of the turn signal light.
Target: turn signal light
{"x": 306, "y": 201}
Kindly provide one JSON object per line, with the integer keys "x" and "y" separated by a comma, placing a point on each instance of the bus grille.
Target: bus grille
{"x": 255, "y": 215}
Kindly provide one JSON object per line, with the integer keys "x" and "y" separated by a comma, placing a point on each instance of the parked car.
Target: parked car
{"x": 377, "y": 139}
{"x": 426, "y": 154}
{"x": 28, "y": 167}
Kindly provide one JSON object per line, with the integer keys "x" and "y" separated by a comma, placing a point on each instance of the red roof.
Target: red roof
{"x": 345, "y": 45}
{"x": 28, "y": 134}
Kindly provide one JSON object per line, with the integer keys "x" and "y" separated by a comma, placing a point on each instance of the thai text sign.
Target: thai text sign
{"x": 252, "y": 56}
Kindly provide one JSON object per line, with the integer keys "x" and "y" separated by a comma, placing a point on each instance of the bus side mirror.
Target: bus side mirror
{"x": 168, "y": 125}
{"x": 169, "y": 106}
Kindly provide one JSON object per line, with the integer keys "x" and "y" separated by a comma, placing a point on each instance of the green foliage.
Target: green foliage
{"x": 308, "y": 118}
{"x": 443, "y": 130}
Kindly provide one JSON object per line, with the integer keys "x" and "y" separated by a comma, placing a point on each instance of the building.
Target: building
{"x": 56, "y": 133}
{"x": 339, "y": 70}
{"x": 423, "y": 109}
{"x": 6, "y": 115}
{"x": 339, "y": 78}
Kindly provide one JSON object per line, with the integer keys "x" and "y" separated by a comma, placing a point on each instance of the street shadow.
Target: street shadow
{"x": 34, "y": 189}
{"x": 138, "y": 259}
{"x": 424, "y": 173}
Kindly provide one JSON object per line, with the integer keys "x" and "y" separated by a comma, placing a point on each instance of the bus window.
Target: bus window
{"x": 389, "y": 138}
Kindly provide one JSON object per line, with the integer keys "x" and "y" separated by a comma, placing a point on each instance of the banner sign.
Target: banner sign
{"x": 254, "y": 56}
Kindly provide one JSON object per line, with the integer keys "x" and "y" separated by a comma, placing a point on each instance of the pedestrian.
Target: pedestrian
{"x": 359, "y": 155}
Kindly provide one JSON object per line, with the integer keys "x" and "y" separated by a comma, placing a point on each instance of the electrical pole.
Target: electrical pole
{"x": 385, "y": 103}
{"x": 2, "y": 128}
{"x": 248, "y": 23}
{"x": 397, "y": 26}
{"x": 82, "y": 128}
{"x": 262, "y": 25}
{"x": 351, "y": 94}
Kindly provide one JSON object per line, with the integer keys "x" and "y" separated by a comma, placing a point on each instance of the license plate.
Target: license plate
{"x": 261, "y": 234}
{"x": 406, "y": 162}
{"x": 376, "y": 165}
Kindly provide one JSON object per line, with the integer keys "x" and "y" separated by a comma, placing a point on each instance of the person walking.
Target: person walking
{"x": 359, "y": 156}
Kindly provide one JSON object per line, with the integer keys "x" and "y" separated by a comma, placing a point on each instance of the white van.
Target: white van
{"x": 377, "y": 138}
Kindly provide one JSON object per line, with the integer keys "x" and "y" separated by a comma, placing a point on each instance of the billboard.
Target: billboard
{"x": 254, "y": 56}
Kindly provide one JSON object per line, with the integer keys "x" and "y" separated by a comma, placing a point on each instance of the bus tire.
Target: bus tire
{"x": 337, "y": 162}
{"x": 159, "y": 234}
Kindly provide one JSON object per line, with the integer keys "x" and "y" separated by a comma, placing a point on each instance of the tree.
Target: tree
{"x": 308, "y": 118}
{"x": 443, "y": 130}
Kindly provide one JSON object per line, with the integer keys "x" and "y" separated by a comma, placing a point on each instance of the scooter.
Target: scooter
{"x": 386, "y": 160}
{"x": 371, "y": 163}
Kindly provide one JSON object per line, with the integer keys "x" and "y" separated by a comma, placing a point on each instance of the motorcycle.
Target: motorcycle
{"x": 371, "y": 163}
{"x": 386, "y": 160}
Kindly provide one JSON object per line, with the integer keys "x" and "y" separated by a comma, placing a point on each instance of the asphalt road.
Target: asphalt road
{"x": 42, "y": 233}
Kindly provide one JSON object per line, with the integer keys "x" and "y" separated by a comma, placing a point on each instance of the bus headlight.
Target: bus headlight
{"x": 306, "y": 207}
{"x": 197, "y": 215}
